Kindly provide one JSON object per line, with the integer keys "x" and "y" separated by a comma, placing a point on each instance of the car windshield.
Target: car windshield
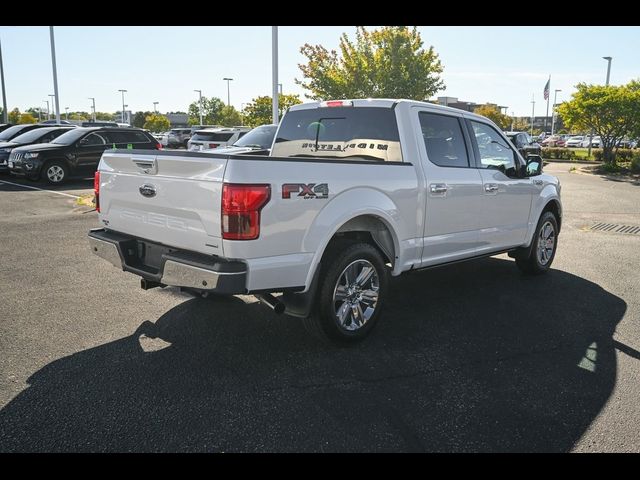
{"x": 212, "y": 136}
{"x": 259, "y": 137}
{"x": 9, "y": 133}
{"x": 70, "y": 137}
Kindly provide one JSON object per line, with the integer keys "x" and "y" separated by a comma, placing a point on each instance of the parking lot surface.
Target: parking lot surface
{"x": 470, "y": 357}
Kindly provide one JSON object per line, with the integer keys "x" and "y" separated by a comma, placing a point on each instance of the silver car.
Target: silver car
{"x": 215, "y": 137}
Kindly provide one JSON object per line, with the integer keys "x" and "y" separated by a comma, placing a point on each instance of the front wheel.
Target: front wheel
{"x": 55, "y": 172}
{"x": 543, "y": 250}
{"x": 352, "y": 292}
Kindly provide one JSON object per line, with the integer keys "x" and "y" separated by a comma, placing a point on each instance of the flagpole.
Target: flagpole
{"x": 548, "y": 97}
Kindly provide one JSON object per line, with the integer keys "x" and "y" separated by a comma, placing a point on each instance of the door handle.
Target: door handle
{"x": 490, "y": 188}
{"x": 438, "y": 188}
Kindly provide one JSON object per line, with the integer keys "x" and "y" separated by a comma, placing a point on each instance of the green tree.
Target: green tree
{"x": 493, "y": 113}
{"x": 385, "y": 63}
{"x": 157, "y": 123}
{"x": 211, "y": 110}
{"x": 609, "y": 111}
{"x": 229, "y": 116}
{"x": 14, "y": 115}
{"x": 259, "y": 110}
{"x": 521, "y": 125}
{"x": 139, "y": 118}
{"x": 107, "y": 117}
{"x": 79, "y": 116}
{"x": 27, "y": 118}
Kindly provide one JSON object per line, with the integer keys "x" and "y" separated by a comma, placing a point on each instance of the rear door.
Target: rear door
{"x": 506, "y": 199}
{"x": 89, "y": 150}
{"x": 454, "y": 188}
{"x": 171, "y": 197}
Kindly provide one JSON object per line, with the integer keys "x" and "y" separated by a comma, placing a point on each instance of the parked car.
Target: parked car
{"x": 524, "y": 143}
{"x": 178, "y": 137}
{"x": 100, "y": 124}
{"x": 37, "y": 135}
{"x": 4, "y": 126}
{"x": 215, "y": 137}
{"x": 352, "y": 193}
{"x": 575, "y": 141}
{"x": 76, "y": 152}
{"x": 257, "y": 141}
{"x": 15, "y": 130}
{"x": 554, "y": 141}
{"x": 195, "y": 128}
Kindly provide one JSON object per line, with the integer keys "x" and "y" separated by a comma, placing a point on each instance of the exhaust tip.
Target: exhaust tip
{"x": 272, "y": 302}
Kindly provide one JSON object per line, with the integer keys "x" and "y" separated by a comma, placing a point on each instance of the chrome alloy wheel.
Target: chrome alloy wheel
{"x": 546, "y": 243}
{"x": 55, "y": 173}
{"x": 356, "y": 294}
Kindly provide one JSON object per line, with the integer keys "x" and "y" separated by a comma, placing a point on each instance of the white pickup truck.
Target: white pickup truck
{"x": 352, "y": 192}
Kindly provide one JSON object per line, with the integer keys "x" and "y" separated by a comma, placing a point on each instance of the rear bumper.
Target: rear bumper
{"x": 167, "y": 266}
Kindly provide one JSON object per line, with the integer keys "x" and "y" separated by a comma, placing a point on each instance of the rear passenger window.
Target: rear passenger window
{"x": 128, "y": 137}
{"x": 444, "y": 140}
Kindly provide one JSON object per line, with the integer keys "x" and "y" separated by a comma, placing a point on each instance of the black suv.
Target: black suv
{"x": 76, "y": 152}
{"x": 36, "y": 135}
{"x": 524, "y": 143}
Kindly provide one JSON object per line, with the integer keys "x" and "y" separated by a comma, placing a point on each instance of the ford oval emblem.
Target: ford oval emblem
{"x": 147, "y": 190}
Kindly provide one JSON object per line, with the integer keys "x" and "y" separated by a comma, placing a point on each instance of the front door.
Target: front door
{"x": 90, "y": 149}
{"x": 506, "y": 197}
{"x": 453, "y": 189}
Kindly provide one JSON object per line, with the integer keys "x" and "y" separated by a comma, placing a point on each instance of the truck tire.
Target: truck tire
{"x": 55, "y": 172}
{"x": 543, "y": 250}
{"x": 351, "y": 294}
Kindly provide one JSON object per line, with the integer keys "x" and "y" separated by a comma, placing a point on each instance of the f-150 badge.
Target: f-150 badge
{"x": 305, "y": 190}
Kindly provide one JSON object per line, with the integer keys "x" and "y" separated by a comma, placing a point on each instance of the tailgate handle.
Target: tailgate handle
{"x": 147, "y": 166}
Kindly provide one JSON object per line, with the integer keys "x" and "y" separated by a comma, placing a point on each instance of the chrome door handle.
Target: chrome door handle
{"x": 438, "y": 188}
{"x": 490, "y": 188}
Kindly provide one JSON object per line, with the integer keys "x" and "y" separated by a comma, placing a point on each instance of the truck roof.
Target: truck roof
{"x": 387, "y": 102}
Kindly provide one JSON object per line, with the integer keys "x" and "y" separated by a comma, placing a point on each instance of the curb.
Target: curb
{"x": 587, "y": 162}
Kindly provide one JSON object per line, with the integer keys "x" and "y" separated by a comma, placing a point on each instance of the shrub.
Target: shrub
{"x": 635, "y": 162}
{"x": 559, "y": 153}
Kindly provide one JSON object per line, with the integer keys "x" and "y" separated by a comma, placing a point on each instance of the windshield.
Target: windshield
{"x": 11, "y": 132}
{"x": 259, "y": 137}
{"x": 71, "y": 136}
{"x": 212, "y": 136}
{"x": 366, "y": 133}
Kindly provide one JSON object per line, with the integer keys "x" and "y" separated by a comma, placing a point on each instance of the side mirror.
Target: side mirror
{"x": 534, "y": 165}
{"x": 83, "y": 142}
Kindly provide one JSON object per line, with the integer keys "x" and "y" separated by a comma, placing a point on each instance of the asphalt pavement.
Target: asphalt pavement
{"x": 471, "y": 357}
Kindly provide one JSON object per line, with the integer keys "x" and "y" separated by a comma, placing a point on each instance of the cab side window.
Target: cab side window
{"x": 493, "y": 149}
{"x": 444, "y": 140}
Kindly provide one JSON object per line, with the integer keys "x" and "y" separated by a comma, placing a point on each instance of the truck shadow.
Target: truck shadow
{"x": 473, "y": 357}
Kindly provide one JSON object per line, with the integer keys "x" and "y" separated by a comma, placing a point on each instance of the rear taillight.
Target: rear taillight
{"x": 241, "y": 205}
{"x": 96, "y": 190}
{"x": 213, "y": 145}
{"x": 158, "y": 146}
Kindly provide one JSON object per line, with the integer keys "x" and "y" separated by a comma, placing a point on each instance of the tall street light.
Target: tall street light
{"x": 553, "y": 111}
{"x": 122, "y": 91}
{"x": 274, "y": 74}
{"x": 94, "y": 107}
{"x": 533, "y": 113}
{"x": 200, "y": 103}
{"x": 280, "y": 88}
{"x": 608, "y": 59}
{"x": 4, "y": 94}
{"x": 52, "y": 104}
{"x": 55, "y": 74}
{"x": 155, "y": 106}
{"x": 66, "y": 113}
{"x": 48, "y": 114}
{"x": 228, "y": 80}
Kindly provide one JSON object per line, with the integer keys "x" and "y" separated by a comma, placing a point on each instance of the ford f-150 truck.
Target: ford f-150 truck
{"x": 352, "y": 193}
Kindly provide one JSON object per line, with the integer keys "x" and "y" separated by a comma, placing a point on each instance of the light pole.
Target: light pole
{"x": 52, "y": 104}
{"x": 533, "y": 113}
{"x": 4, "y": 94}
{"x": 122, "y": 91}
{"x": 155, "y": 107}
{"x": 228, "y": 94}
{"x": 608, "y": 59}
{"x": 280, "y": 88}
{"x": 48, "y": 114}
{"x": 66, "y": 113}
{"x": 55, "y": 75}
{"x": 513, "y": 116}
{"x": 553, "y": 112}
{"x": 94, "y": 107}
{"x": 200, "y": 103}
{"x": 274, "y": 74}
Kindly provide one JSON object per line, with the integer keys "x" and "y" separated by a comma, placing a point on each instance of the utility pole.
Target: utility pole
{"x": 5, "y": 114}
{"x": 55, "y": 74}
{"x": 274, "y": 73}
{"x": 228, "y": 80}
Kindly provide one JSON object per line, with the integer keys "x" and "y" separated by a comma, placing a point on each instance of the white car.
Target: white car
{"x": 353, "y": 192}
{"x": 575, "y": 142}
{"x": 215, "y": 137}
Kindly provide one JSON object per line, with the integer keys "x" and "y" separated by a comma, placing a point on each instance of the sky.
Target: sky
{"x": 504, "y": 65}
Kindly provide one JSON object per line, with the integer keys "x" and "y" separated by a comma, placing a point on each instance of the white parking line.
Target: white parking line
{"x": 41, "y": 189}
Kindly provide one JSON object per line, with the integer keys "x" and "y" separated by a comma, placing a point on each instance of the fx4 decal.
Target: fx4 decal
{"x": 308, "y": 190}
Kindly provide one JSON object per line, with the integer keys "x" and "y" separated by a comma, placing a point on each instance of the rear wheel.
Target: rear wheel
{"x": 543, "y": 250}
{"x": 351, "y": 295}
{"x": 55, "y": 172}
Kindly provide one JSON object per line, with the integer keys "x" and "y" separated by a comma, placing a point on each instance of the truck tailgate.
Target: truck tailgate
{"x": 172, "y": 198}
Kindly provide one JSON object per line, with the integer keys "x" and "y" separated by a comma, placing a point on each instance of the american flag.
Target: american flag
{"x": 546, "y": 89}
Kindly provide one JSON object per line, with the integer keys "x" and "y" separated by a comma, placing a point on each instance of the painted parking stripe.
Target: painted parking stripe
{"x": 41, "y": 189}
